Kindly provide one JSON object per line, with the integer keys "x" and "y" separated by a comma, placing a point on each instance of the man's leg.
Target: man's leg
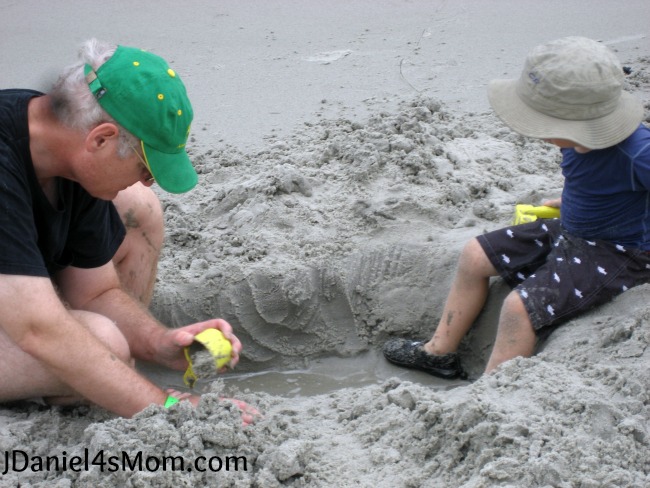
{"x": 136, "y": 260}
{"x": 465, "y": 301}
{"x": 22, "y": 376}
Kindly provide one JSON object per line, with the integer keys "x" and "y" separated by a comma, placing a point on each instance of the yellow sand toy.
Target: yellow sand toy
{"x": 529, "y": 213}
{"x": 217, "y": 345}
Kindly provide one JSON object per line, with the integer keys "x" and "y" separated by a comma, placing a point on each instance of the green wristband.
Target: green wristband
{"x": 171, "y": 401}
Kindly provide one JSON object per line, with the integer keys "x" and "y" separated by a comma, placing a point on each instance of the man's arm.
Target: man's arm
{"x": 36, "y": 320}
{"x": 98, "y": 290}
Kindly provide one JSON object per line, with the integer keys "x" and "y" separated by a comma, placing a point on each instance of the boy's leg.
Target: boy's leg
{"x": 514, "y": 253}
{"x": 515, "y": 334}
{"x": 576, "y": 276}
{"x": 465, "y": 301}
{"x": 136, "y": 260}
{"x": 467, "y": 296}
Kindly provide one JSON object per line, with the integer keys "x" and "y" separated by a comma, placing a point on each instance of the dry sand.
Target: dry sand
{"x": 317, "y": 245}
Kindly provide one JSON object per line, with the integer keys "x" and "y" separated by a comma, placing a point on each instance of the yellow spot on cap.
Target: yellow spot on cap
{"x": 171, "y": 72}
{"x": 160, "y": 96}
{"x": 180, "y": 112}
{"x": 136, "y": 63}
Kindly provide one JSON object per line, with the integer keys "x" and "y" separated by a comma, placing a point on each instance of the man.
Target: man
{"x": 74, "y": 286}
{"x": 570, "y": 93}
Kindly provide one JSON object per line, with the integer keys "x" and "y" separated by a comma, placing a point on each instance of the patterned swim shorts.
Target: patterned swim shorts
{"x": 559, "y": 276}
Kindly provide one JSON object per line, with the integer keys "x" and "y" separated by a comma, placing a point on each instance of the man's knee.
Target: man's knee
{"x": 140, "y": 210}
{"x": 136, "y": 260}
{"x": 107, "y": 332}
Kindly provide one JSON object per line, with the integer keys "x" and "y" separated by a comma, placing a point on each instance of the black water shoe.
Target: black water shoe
{"x": 411, "y": 354}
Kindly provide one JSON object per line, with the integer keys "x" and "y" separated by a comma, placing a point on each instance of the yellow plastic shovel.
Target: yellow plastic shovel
{"x": 529, "y": 213}
{"x": 217, "y": 345}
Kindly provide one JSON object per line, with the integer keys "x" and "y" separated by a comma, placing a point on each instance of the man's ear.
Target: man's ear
{"x": 101, "y": 135}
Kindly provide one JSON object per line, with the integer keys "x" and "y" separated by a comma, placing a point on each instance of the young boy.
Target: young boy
{"x": 570, "y": 94}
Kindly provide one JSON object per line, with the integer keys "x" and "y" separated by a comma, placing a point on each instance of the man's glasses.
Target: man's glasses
{"x": 143, "y": 161}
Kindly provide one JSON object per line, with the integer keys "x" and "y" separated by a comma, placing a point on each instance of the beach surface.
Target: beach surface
{"x": 346, "y": 152}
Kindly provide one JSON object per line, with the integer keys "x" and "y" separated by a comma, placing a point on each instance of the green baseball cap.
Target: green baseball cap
{"x": 146, "y": 97}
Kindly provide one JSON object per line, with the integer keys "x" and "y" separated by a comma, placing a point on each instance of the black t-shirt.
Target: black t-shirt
{"x": 36, "y": 238}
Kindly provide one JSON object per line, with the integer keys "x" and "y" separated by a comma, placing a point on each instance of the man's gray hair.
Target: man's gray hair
{"x": 73, "y": 103}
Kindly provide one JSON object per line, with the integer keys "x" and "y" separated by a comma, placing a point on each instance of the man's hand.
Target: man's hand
{"x": 249, "y": 414}
{"x": 169, "y": 347}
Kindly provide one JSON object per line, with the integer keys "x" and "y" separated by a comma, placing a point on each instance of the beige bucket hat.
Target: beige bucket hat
{"x": 571, "y": 88}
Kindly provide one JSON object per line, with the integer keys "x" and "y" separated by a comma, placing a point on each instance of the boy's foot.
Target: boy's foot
{"x": 411, "y": 354}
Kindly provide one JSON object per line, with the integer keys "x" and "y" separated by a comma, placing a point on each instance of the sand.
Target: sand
{"x": 318, "y": 241}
